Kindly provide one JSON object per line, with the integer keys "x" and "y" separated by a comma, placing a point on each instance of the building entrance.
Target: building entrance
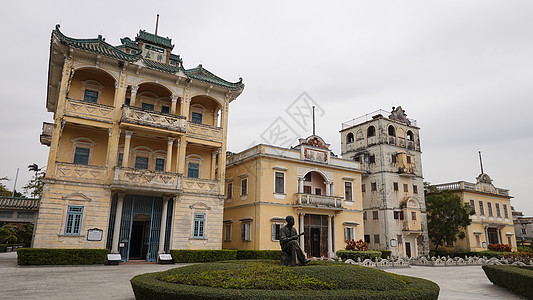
{"x": 316, "y": 235}
{"x": 493, "y": 235}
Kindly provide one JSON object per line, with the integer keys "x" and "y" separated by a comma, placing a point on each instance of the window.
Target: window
{"x": 392, "y": 131}
{"x": 505, "y": 211}
{"x": 449, "y": 242}
{"x": 141, "y": 162}
{"x": 415, "y": 189}
{"x": 375, "y": 215}
{"x": 489, "y": 208}
{"x": 481, "y": 208}
{"x": 279, "y": 183}
{"x": 371, "y": 131}
{"x": 509, "y": 241}
{"x": 393, "y": 157}
{"x": 373, "y": 186}
{"x": 413, "y": 215}
{"x": 307, "y": 189}
{"x": 372, "y": 159}
{"x": 159, "y": 164}
{"x": 349, "y": 138}
{"x": 127, "y": 101}
{"x": 276, "y": 227}
{"x": 246, "y": 234}
{"x": 230, "y": 190}
{"x": 363, "y": 188}
{"x": 367, "y": 238}
{"x": 318, "y": 191}
{"x": 193, "y": 170}
{"x": 498, "y": 213}
{"x": 376, "y": 238}
{"x": 410, "y": 135}
{"x": 349, "y": 233}
{"x": 364, "y": 215}
{"x": 307, "y": 177}
{"x": 90, "y": 96}
{"x": 478, "y": 241}
{"x": 81, "y": 156}
{"x": 147, "y": 106}
{"x": 227, "y": 232}
{"x": 408, "y": 159}
{"x": 244, "y": 187}
{"x": 199, "y": 226}
{"x": 196, "y": 118}
{"x": 398, "y": 215}
{"x": 348, "y": 191}
{"x": 523, "y": 231}
{"x": 405, "y": 187}
{"x": 473, "y": 205}
{"x": 396, "y": 186}
{"x": 399, "y": 237}
{"x": 73, "y": 223}
{"x": 120, "y": 158}
{"x": 165, "y": 109}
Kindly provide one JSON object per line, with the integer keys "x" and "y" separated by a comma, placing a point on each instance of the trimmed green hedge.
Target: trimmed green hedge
{"x": 489, "y": 254}
{"x": 196, "y": 256}
{"x": 259, "y": 254}
{"x": 386, "y": 253}
{"x": 348, "y": 281}
{"x": 39, "y": 256}
{"x": 348, "y": 254}
{"x": 517, "y": 279}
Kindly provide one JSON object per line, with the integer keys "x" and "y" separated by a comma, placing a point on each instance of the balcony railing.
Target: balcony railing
{"x": 88, "y": 110}
{"x": 70, "y": 171}
{"x": 318, "y": 200}
{"x": 200, "y": 185}
{"x": 140, "y": 116}
{"x": 46, "y": 134}
{"x": 463, "y": 185}
{"x": 411, "y": 226}
{"x": 147, "y": 180}
{"x": 204, "y": 131}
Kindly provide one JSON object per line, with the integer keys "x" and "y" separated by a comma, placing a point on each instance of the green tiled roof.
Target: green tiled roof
{"x": 154, "y": 39}
{"x": 127, "y": 42}
{"x": 203, "y": 75}
{"x": 19, "y": 203}
{"x": 160, "y": 66}
{"x": 97, "y": 46}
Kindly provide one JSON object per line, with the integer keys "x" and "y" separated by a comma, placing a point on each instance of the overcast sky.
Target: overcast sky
{"x": 462, "y": 69}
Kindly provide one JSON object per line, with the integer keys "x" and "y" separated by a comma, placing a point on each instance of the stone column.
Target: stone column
{"x": 174, "y": 100}
{"x": 126, "y": 155}
{"x": 133, "y": 94}
{"x": 213, "y": 164}
{"x": 168, "y": 163}
{"x": 332, "y": 192}
{"x": 163, "y": 226}
{"x": 302, "y": 229}
{"x": 328, "y": 188}
{"x": 183, "y": 153}
{"x": 300, "y": 185}
{"x": 118, "y": 221}
{"x": 330, "y": 238}
{"x": 178, "y": 143}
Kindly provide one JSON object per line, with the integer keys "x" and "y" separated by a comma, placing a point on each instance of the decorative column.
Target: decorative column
{"x": 118, "y": 221}
{"x": 302, "y": 229}
{"x": 332, "y": 186}
{"x": 300, "y": 185}
{"x": 126, "y": 155}
{"x": 168, "y": 163}
{"x": 174, "y": 100}
{"x": 214, "y": 163}
{"x": 328, "y": 188}
{"x": 163, "y": 226}
{"x": 330, "y": 238}
{"x": 178, "y": 143}
{"x": 183, "y": 151}
{"x": 133, "y": 97}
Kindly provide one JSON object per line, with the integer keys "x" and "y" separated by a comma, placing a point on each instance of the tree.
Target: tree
{"x": 447, "y": 216}
{"x": 8, "y": 234}
{"x": 35, "y": 185}
{"x": 3, "y": 189}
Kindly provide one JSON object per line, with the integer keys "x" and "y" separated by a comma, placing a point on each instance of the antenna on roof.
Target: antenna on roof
{"x": 480, "y": 162}
{"x": 313, "y": 120}
{"x": 156, "y": 24}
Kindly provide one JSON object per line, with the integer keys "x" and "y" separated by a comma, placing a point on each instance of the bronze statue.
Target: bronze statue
{"x": 288, "y": 239}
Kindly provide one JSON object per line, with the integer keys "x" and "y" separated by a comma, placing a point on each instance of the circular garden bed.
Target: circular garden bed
{"x": 266, "y": 279}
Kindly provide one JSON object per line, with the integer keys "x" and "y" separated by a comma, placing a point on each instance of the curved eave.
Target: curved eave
{"x": 203, "y": 75}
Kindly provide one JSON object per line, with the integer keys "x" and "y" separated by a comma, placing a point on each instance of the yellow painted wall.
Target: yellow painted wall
{"x": 108, "y": 91}
{"x": 97, "y": 157}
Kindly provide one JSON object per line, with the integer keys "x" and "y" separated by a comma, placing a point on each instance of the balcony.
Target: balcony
{"x": 318, "y": 201}
{"x": 46, "y": 134}
{"x": 410, "y": 145}
{"x": 205, "y": 132}
{"x": 146, "y": 180}
{"x": 140, "y": 116}
{"x": 411, "y": 226}
{"x": 406, "y": 171}
{"x": 200, "y": 185}
{"x": 75, "y": 172}
{"x": 88, "y": 110}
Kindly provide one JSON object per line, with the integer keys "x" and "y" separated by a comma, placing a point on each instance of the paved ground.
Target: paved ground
{"x": 112, "y": 282}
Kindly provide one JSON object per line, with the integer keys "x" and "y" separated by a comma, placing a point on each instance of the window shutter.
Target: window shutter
{"x": 243, "y": 232}
{"x": 273, "y": 232}
{"x": 346, "y": 234}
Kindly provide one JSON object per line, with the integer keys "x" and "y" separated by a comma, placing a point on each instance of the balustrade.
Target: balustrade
{"x": 204, "y": 131}
{"x": 140, "y": 116}
{"x": 200, "y": 185}
{"x": 318, "y": 200}
{"x": 88, "y": 110}
{"x": 142, "y": 179}
{"x": 75, "y": 172}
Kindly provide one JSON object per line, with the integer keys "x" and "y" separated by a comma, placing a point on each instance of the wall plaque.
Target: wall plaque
{"x": 94, "y": 234}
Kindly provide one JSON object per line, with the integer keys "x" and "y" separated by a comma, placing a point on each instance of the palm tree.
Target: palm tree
{"x": 34, "y": 168}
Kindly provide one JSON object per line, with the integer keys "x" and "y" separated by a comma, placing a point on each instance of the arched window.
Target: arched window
{"x": 410, "y": 135}
{"x": 371, "y": 131}
{"x": 349, "y": 138}
{"x": 392, "y": 131}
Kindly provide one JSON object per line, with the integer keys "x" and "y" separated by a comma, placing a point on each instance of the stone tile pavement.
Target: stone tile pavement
{"x": 112, "y": 282}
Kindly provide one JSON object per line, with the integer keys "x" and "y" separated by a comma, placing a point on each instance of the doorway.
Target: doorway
{"x": 315, "y": 242}
{"x": 493, "y": 236}
{"x": 408, "y": 249}
{"x": 138, "y": 247}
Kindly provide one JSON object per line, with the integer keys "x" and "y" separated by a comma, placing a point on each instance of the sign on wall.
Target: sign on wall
{"x": 94, "y": 234}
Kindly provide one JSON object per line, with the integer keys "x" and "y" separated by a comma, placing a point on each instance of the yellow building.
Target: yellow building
{"x": 137, "y": 148}
{"x": 265, "y": 184}
{"x": 491, "y": 224}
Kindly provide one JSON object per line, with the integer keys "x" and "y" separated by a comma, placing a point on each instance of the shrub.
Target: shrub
{"x": 347, "y": 254}
{"x": 386, "y": 253}
{"x": 452, "y": 254}
{"x": 500, "y": 247}
{"x": 519, "y": 256}
{"x": 524, "y": 249}
{"x": 316, "y": 281}
{"x": 489, "y": 254}
{"x": 516, "y": 279}
{"x": 352, "y": 245}
{"x": 39, "y": 256}
{"x": 193, "y": 256}
{"x": 259, "y": 254}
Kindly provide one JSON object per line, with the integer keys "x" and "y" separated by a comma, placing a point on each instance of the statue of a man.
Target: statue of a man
{"x": 288, "y": 239}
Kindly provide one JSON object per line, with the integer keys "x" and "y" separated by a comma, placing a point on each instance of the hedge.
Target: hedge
{"x": 348, "y": 254}
{"x": 194, "y": 256}
{"x": 517, "y": 279}
{"x": 39, "y": 256}
{"x": 386, "y": 253}
{"x": 377, "y": 285}
{"x": 259, "y": 254}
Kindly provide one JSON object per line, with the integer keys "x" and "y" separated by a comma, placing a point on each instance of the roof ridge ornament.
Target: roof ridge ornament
{"x": 398, "y": 114}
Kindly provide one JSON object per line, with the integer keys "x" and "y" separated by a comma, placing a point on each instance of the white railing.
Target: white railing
{"x": 88, "y": 110}
{"x": 204, "y": 131}
{"x": 146, "y": 179}
{"x": 72, "y": 171}
{"x": 200, "y": 185}
{"x": 318, "y": 200}
{"x": 151, "y": 118}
